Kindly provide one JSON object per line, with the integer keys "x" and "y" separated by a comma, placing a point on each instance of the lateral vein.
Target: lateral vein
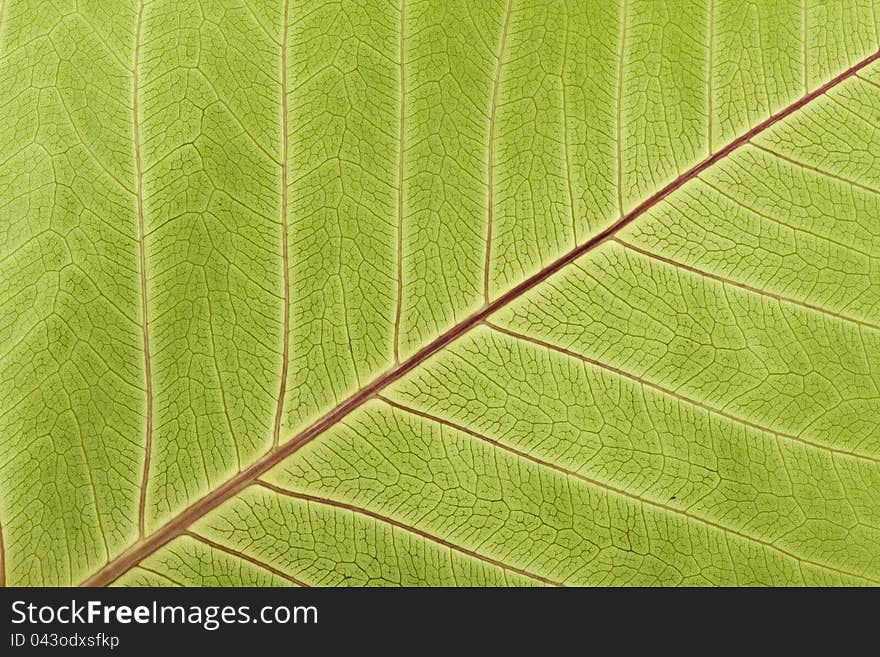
{"x": 244, "y": 557}
{"x": 285, "y": 262}
{"x": 724, "y": 280}
{"x": 676, "y": 395}
{"x": 614, "y": 489}
{"x": 400, "y": 173}
{"x": 142, "y": 266}
{"x": 490, "y": 170}
{"x": 619, "y": 102}
{"x": 405, "y": 527}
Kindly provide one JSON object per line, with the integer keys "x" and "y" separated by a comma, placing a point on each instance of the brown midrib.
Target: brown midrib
{"x": 175, "y": 526}
{"x": 142, "y": 266}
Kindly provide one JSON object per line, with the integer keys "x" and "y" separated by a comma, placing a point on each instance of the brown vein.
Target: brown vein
{"x": 709, "y": 104}
{"x": 244, "y": 557}
{"x": 810, "y": 167}
{"x": 804, "y": 53}
{"x": 490, "y": 173}
{"x": 672, "y": 393}
{"x": 569, "y": 186}
{"x": 768, "y": 217}
{"x": 142, "y": 266}
{"x": 613, "y": 489}
{"x": 221, "y": 386}
{"x": 867, "y": 81}
{"x": 161, "y": 575}
{"x": 619, "y": 125}
{"x": 400, "y": 138}
{"x": 131, "y": 556}
{"x": 743, "y": 286}
{"x": 285, "y": 356}
{"x": 407, "y": 528}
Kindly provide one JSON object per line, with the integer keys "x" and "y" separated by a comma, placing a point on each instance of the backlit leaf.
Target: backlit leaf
{"x": 502, "y": 292}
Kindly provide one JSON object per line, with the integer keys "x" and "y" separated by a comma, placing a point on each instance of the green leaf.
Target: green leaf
{"x": 439, "y": 293}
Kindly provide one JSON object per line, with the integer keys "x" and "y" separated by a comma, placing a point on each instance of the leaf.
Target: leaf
{"x": 494, "y": 293}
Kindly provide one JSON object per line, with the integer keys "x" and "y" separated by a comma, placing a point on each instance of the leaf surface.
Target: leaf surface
{"x": 493, "y": 293}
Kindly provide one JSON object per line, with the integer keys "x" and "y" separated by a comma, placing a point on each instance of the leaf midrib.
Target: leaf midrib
{"x": 177, "y": 525}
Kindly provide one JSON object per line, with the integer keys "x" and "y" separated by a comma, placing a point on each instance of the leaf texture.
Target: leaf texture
{"x": 439, "y": 293}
